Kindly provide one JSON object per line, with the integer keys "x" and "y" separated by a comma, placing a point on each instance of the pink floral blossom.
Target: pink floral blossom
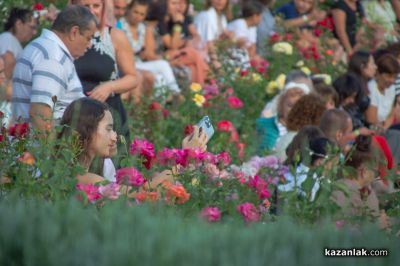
{"x": 145, "y": 149}
{"x": 224, "y": 157}
{"x": 235, "y": 102}
{"x": 91, "y": 191}
{"x": 211, "y": 214}
{"x": 130, "y": 176}
{"x": 249, "y": 212}
{"x": 142, "y": 147}
{"x": 110, "y": 191}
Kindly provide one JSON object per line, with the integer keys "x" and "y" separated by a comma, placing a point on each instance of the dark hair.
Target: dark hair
{"x": 300, "y": 143}
{"x": 326, "y": 92}
{"x": 251, "y": 8}
{"x": 332, "y": 121}
{"x": 347, "y": 85}
{"x": 294, "y": 75}
{"x": 380, "y": 52}
{"x": 23, "y": 14}
{"x": 319, "y": 148}
{"x": 394, "y": 49}
{"x": 74, "y": 15}
{"x": 157, "y": 10}
{"x": 266, "y": 3}
{"x": 138, "y": 2}
{"x": 358, "y": 61}
{"x": 388, "y": 64}
{"x": 362, "y": 152}
{"x": 82, "y": 116}
{"x": 306, "y": 111}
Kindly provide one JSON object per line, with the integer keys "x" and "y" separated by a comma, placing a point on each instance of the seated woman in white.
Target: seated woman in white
{"x": 136, "y": 31}
{"x": 382, "y": 92}
{"x": 211, "y": 24}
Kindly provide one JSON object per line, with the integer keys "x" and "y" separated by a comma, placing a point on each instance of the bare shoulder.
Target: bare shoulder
{"x": 90, "y": 178}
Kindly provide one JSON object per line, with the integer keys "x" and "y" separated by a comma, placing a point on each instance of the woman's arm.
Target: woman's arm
{"x": 371, "y": 114}
{"x": 126, "y": 64}
{"x": 339, "y": 18}
{"x": 149, "y": 52}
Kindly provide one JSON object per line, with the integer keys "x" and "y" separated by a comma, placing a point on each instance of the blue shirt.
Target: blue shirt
{"x": 288, "y": 11}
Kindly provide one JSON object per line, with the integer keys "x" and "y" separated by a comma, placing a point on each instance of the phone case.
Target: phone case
{"x": 206, "y": 125}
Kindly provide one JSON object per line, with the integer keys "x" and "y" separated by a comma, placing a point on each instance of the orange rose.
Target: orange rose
{"x": 177, "y": 193}
{"x": 27, "y": 158}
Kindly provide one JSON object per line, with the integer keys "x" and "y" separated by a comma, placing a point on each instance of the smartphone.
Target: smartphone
{"x": 206, "y": 125}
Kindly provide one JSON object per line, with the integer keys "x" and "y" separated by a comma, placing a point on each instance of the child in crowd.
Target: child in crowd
{"x": 300, "y": 13}
{"x": 313, "y": 153}
{"x": 245, "y": 28}
{"x": 327, "y": 94}
{"x": 306, "y": 111}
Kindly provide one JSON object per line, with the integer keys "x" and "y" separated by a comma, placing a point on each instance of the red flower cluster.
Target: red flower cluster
{"x": 310, "y": 52}
{"x": 19, "y": 130}
{"x": 261, "y": 187}
{"x": 276, "y": 37}
{"x": 157, "y": 107}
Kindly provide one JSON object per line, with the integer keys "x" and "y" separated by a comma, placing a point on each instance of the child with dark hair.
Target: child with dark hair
{"x": 245, "y": 28}
{"x": 327, "y": 94}
{"x": 301, "y": 13}
{"x": 313, "y": 153}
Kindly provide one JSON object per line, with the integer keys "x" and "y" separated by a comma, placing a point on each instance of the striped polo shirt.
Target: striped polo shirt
{"x": 45, "y": 73}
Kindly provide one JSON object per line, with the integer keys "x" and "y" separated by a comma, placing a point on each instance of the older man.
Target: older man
{"x": 45, "y": 80}
{"x": 119, "y": 10}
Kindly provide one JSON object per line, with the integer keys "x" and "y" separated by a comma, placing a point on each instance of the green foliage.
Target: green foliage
{"x": 67, "y": 233}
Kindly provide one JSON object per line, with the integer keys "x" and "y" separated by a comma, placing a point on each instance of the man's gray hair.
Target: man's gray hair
{"x": 74, "y": 15}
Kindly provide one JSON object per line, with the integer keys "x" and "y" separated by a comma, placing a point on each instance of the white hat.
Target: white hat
{"x": 295, "y": 85}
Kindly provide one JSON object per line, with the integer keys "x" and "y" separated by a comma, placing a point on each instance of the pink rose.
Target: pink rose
{"x": 224, "y": 157}
{"x": 249, "y": 212}
{"x": 110, "y": 191}
{"x": 235, "y": 102}
{"x": 211, "y": 214}
{"x": 130, "y": 176}
{"x": 91, "y": 191}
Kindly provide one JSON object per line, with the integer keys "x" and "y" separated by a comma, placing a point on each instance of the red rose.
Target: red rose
{"x": 288, "y": 37}
{"x": 165, "y": 113}
{"x": 155, "y": 106}
{"x": 38, "y": 6}
{"x": 244, "y": 72}
{"x": 19, "y": 130}
{"x": 188, "y": 129}
{"x": 1, "y": 137}
{"x": 225, "y": 126}
{"x": 261, "y": 70}
{"x": 235, "y": 102}
{"x": 275, "y": 37}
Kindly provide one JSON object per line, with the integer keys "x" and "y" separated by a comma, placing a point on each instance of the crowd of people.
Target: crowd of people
{"x": 99, "y": 53}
